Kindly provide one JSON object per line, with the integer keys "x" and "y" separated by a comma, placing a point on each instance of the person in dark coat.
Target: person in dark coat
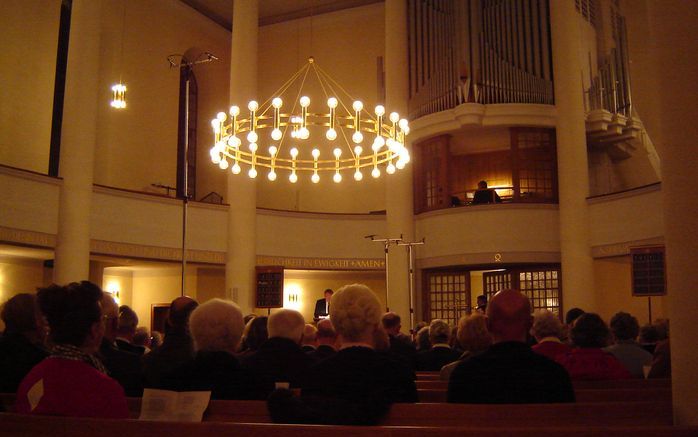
{"x": 177, "y": 348}
{"x": 357, "y": 385}
{"x": 22, "y": 343}
{"x": 400, "y": 344}
{"x": 280, "y": 359}
{"x": 216, "y": 328}
{"x": 440, "y": 353}
{"x": 322, "y": 306}
{"x": 509, "y": 372}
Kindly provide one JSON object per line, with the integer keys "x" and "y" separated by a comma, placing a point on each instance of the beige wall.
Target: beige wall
{"x": 612, "y": 277}
{"x": 159, "y": 286}
{"x": 29, "y": 34}
{"x": 210, "y": 283}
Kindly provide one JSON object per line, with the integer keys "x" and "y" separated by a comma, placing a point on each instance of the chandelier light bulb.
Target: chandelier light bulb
{"x": 223, "y": 164}
{"x": 406, "y": 130}
{"x": 221, "y": 116}
{"x": 304, "y": 133}
{"x": 315, "y": 178}
{"x": 390, "y": 169}
{"x": 305, "y": 101}
{"x": 252, "y": 137}
{"x": 400, "y": 164}
{"x": 253, "y": 147}
{"x": 293, "y": 178}
{"x": 358, "y": 106}
{"x": 273, "y": 150}
{"x": 294, "y": 153}
{"x": 358, "y": 150}
{"x": 337, "y": 152}
{"x": 234, "y": 141}
{"x": 380, "y": 110}
{"x": 403, "y": 124}
{"x": 358, "y": 175}
{"x": 376, "y": 145}
{"x": 337, "y": 178}
{"x": 271, "y": 175}
{"x": 253, "y": 105}
{"x": 252, "y": 173}
{"x": 276, "y": 134}
{"x": 236, "y": 168}
{"x": 394, "y": 117}
{"x": 316, "y": 154}
{"x": 234, "y": 111}
{"x": 357, "y": 137}
{"x": 215, "y": 157}
{"x": 375, "y": 172}
{"x": 331, "y": 134}
{"x": 332, "y": 102}
{"x": 215, "y": 124}
{"x": 277, "y": 102}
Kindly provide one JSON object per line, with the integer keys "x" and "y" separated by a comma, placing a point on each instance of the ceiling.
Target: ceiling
{"x": 273, "y": 11}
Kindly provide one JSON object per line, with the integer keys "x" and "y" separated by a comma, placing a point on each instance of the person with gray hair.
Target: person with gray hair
{"x": 309, "y": 342}
{"x": 548, "y": 330}
{"x": 326, "y": 339}
{"x": 356, "y": 385}
{"x": 440, "y": 353}
{"x": 625, "y": 329}
{"x": 279, "y": 359}
{"x": 216, "y": 329}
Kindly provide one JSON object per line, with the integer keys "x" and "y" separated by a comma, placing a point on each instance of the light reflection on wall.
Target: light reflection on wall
{"x": 293, "y": 296}
{"x": 114, "y": 288}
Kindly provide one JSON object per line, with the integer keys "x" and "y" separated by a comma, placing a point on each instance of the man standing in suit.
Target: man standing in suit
{"x": 322, "y": 306}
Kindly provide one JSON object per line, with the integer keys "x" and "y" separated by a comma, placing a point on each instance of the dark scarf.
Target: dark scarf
{"x": 70, "y": 352}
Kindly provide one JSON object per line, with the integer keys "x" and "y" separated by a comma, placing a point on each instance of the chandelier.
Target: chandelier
{"x": 281, "y": 141}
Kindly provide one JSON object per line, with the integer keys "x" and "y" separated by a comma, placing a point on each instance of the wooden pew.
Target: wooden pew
{"x": 582, "y": 395}
{"x": 624, "y": 384}
{"x": 427, "y": 376}
{"x": 36, "y": 426}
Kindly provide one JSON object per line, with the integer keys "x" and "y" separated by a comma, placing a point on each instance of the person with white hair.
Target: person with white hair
{"x": 548, "y": 330}
{"x": 280, "y": 359}
{"x": 216, "y": 328}
{"x": 440, "y": 353}
{"x": 356, "y": 385}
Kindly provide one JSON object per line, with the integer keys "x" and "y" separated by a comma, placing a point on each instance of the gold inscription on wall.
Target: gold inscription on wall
{"x": 322, "y": 263}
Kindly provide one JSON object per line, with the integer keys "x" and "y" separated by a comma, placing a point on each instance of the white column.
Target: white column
{"x": 573, "y": 172}
{"x": 399, "y": 209}
{"x": 242, "y": 191}
{"x": 78, "y": 136}
{"x": 673, "y": 24}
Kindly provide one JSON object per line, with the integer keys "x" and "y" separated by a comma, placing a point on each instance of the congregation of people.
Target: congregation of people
{"x": 72, "y": 351}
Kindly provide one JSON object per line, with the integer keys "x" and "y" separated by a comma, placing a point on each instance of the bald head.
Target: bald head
{"x": 180, "y": 309}
{"x": 509, "y": 316}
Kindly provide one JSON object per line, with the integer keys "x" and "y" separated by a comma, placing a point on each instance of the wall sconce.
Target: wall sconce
{"x": 119, "y": 96}
{"x": 113, "y": 289}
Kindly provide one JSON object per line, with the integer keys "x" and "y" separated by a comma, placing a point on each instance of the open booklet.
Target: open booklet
{"x": 166, "y": 405}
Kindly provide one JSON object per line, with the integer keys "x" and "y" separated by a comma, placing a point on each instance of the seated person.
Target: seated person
{"x": 440, "y": 353}
{"x": 280, "y": 359}
{"x": 72, "y": 381}
{"x": 547, "y": 330}
{"x": 473, "y": 337}
{"x": 22, "y": 343}
{"x": 356, "y": 385}
{"x": 216, "y": 328}
{"x": 625, "y": 330}
{"x": 587, "y": 360}
{"x": 485, "y": 195}
{"x": 509, "y": 372}
{"x": 326, "y": 339}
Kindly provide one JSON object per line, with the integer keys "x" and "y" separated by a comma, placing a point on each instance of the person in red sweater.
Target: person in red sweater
{"x": 588, "y": 361}
{"x": 72, "y": 381}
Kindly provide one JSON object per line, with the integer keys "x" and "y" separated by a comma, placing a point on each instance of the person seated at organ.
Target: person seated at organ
{"x": 509, "y": 372}
{"x": 440, "y": 353}
{"x": 473, "y": 337}
{"x": 177, "y": 348}
{"x": 485, "y": 195}
{"x": 625, "y": 330}
{"x": 216, "y": 328}
{"x": 280, "y": 359}
{"x": 587, "y": 360}
{"x": 22, "y": 345}
{"x": 356, "y": 385}
{"x": 547, "y": 330}
{"x": 72, "y": 381}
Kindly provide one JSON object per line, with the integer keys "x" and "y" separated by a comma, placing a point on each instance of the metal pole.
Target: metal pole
{"x": 410, "y": 261}
{"x": 186, "y": 182}
{"x": 387, "y": 287}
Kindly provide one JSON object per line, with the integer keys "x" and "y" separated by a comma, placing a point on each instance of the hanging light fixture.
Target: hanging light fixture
{"x": 280, "y": 141}
{"x": 119, "y": 89}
